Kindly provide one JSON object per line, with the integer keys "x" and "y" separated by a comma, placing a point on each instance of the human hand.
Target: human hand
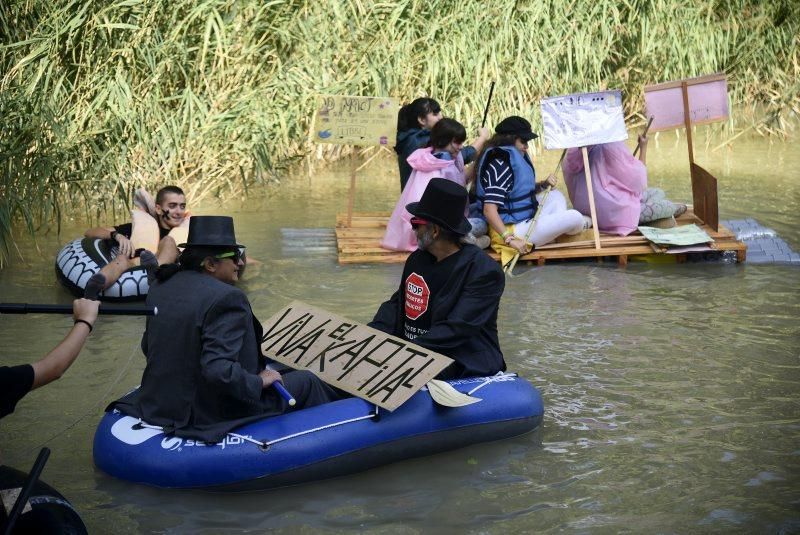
{"x": 483, "y": 133}
{"x": 642, "y": 140}
{"x": 268, "y": 377}
{"x": 125, "y": 246}
{"x": 85, "y": 310}
{"x": 519, "y": 244}
{"x": 551, "y": 180}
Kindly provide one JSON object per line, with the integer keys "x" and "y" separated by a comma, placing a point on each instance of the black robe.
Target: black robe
{"x": 464, "y": 319}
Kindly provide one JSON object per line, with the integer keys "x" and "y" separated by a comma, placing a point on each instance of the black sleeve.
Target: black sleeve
{"x": 126, "y": 229}
{"x": 15, "y": 382}
{"x": 386, "y": 318}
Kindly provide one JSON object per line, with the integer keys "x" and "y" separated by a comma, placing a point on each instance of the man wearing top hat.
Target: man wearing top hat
{"x": 450, "y": 291}
{"x": 205, "y": 374}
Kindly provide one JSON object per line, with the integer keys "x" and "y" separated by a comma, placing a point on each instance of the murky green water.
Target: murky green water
{"x": 671, "y": 391}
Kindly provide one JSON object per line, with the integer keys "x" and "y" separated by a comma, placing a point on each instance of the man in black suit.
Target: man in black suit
{"x": 205, "y": 374}
{"x": 450, "y": 291}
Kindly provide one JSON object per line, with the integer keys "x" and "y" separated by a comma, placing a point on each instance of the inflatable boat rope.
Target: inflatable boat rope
{"x": 499, "y": 376}
{"x": 264, "y": 445}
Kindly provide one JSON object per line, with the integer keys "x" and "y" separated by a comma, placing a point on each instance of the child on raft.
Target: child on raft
{"x": 509, "y": 196}
{"x": 619, "y": 183}
{"x": 414, "y": 124}
{"x": 443, "y": 158}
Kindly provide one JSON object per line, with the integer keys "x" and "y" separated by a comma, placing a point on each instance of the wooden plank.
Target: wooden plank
{"x": 361, "y": 244}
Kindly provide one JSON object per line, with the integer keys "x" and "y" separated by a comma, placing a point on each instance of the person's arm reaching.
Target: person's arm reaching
{"x": 56, "y": 362}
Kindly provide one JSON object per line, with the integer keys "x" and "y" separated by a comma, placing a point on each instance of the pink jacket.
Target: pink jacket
{"x": 399, "y": 236}
{"x": 618, "y": 180}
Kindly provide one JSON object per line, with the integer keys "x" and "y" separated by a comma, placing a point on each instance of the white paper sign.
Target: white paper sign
{"x": 583, "y": 119}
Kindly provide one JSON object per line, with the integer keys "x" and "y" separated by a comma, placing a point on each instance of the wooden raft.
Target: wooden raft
{"x": 359, "y": 243}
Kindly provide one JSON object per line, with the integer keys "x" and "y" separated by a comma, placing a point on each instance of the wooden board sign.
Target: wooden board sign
{"x": 707, "y": 101}
{"x": 344, "y": 120}
{"x": 583, "y": 119}
{"x": 370, "y": 364}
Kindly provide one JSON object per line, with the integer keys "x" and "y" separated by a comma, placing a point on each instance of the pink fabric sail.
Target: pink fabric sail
{"x": 618, "y": 180}
{"x": 399, "y": 235}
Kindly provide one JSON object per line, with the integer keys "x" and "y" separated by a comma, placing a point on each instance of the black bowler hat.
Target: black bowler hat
{"x": 211, "y": 231}
{"x": 516, "y": 126}
{"x": 443, "y": 202}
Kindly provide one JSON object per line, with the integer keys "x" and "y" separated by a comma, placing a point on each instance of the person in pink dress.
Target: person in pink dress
{"x": 441, "y": 158}
{"x": 619, "y": 183}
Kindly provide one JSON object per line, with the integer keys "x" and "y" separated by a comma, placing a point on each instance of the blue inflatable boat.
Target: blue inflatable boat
{"x": 329, "y": 440}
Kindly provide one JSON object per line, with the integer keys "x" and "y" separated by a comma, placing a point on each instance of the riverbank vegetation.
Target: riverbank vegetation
{"x": 99, "y": 97}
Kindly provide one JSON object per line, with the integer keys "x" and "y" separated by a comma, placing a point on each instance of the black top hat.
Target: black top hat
{"x": 211, "y": 231}
{"x": 517, "y": 126}
{"x": 443, "y": 203}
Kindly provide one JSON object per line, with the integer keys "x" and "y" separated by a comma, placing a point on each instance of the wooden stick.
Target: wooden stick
{"x": 635, "y": 240}
{"x": 588, "y": 174}
{"x": 352, "y": 195}
{"x": 687, "y": 120}
{"x": 646, "y": 128}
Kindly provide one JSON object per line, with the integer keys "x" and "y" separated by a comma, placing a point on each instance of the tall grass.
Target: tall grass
{"x": 98, "y": 97}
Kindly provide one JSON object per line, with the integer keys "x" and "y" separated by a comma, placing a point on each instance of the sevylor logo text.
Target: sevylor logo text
{"x": 177, "y": 443}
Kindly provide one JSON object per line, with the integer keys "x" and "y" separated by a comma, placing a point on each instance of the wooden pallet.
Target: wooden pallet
{"x": 359, "y": 243}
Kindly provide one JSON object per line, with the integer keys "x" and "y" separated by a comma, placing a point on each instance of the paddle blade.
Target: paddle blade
{"x": 444, "y": 394}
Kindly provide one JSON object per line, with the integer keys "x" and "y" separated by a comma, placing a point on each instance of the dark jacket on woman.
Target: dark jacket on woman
{"x": 464, "y": 321}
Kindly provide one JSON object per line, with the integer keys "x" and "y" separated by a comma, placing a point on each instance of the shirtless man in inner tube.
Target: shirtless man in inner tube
{"x": 170, "y": 211}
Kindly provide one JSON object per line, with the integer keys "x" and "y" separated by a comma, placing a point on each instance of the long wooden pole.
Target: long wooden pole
{"x": 588, "y": 174}
{"x": 687, "y": 119}
{"x": 646, "y": 128}
{"x": 352, "y": 195}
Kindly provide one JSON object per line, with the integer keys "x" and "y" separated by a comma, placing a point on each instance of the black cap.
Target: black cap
{"x": 516, "y": 126}
{"x": 443, "y": 202}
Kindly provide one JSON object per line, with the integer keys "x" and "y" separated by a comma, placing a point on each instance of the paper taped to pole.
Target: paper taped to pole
{"x": 364, "y": 121}
{"x": 707, "y": 96}
{"x": 370, "y": 364}
{"x": 583, "y": 119}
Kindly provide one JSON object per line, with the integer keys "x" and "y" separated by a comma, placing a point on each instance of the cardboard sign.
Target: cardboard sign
{"x": 708, "y": 102}
{"x": 583, "y": 119}
{"x": 345, "y": 120}
{"x": 362, "y": 361}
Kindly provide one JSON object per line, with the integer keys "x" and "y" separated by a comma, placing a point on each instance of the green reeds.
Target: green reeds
{"x": 99, "y": 97}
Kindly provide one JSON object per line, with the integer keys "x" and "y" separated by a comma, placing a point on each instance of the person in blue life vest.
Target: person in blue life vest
{"x": 414, "y": 123}
{"x": 508, "y": 194}
{"x": 170, "y": 212}
{"x": 450, "y": 291}
{"x": 205, "y": 373}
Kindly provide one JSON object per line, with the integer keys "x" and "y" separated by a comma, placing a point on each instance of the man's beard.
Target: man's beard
{"x": 425, "y": 241}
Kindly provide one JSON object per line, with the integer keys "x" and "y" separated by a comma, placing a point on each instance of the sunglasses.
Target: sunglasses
{"x": 234, "y": 255}
{"x": 417, "y": 222}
